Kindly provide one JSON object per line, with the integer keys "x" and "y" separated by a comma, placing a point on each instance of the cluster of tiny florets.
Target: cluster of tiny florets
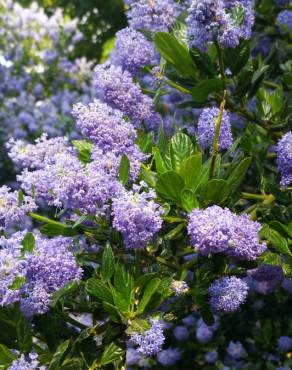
{"x": 227, "y": 294}
{"x": 152, "y": 16}
{"x": 29, "y": 362}
{"x": 117, "y": 88}
{"x": 151, "y": 341}
{"x": 218, "y": 230}
{"x": 284, "y": 150}
{"x": 136, "y": 216}
{"x": 212, "y": 21}
{"x": 207, "y": 127}
{"x": 133, "y": 51}
{"x": 38, "y": 273}
{"x": 13, "y": 208}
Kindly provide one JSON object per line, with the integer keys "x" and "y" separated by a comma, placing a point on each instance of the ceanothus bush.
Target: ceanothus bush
{"x": 161, "y": 236}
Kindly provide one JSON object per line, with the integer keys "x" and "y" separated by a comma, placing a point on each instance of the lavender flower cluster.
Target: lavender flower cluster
{"x": 215, "y": 21}
{"x": 32, "y": 277}
{"x": 143, "y": 219}
{"x": 29, "y": 362}
{"x": 218, "y": 230}
{"x": 151, "y": 341}
{"x": 32, "y": 45}
{"x": 284, "y": 151}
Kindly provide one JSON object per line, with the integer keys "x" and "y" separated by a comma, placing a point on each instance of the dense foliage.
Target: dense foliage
{"x": 162, "y": 237}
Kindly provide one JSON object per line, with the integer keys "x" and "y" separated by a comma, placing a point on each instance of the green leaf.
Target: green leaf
{"x": 60, "y": 294}
{"x": 122, "y": 300}
{"x": 150, "y": 289}
{"x": 148, "y": 176}
{"x": 279, "y": 243}
{"x": 53, "y": 228}
{"x": 123, "y": 281}
{"x": 270, "y": 258}
{"x": 6, "y": 356}
{"x": 169, "y": 186}
{"x": 215, "y": 191}
{"x": 28, "y": 243}
{"x": 57, "y": 229}
{"x": 124, "y": 170}
{"x": 20, "y": 198}
{"x": 190, "y": 170}
{"x": 112, "y": 312}
{"x": 281, "y": 228}
{"x": 189, "y": 200}
{"x": 84, "y": 150}
{"x": 111, "y": 353}
{"x": 162, "y": 141}
{"x": 237, "y": 175}
{"x": 238, "y": 14}
{"x": 108, "y": 263}
{"x": 236, "y": 59}
{"x": 24, "y": 336}
{"x": 159, "y": 162}
{"x": 138, "y": 326}
{"x": 99, "y": 290}
{"x": 202, "y": 90}
{"x": 181, "y": 147}
{"x": 144, "y": 279}
{"x": 176, "y": 53}
{"x": 17, "y": 283}
{"x": 174, "y": 233}
{"x": 58, "y": 357}
{"x": 145, "y": 141}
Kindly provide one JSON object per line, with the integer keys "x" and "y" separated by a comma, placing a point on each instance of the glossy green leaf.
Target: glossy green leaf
{"x": 159, "y": 162}
{"x": 6, "y": 356}
{"x": 124, "y": 169}
{"x": 215, "y": 191}
{"x": 190, "y": 170}
{"x": 279, "y": 243}
{"x": 111, "y": 353}
{"x": 202, "y": 90}
{"x": 237, "y": 175}
{"x": 24, "y": 335}
{"x": 99, "y": 290}
{"x": 181, "y": 147}
{"x": 59, "y": 355}
{"x": 108, "y": 263}
{"x": 150, "y": 289}
{"x": 84, "y": 148}
{"x": 28, "y": 243}
{"x": 175, "y": 52}
{"x": 169, "y": 186}
{"x": 189, "y": 200}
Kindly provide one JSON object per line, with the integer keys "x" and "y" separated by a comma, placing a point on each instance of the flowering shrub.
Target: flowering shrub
{"x": 39, "y": 82}
{"x": 163, "y": 237}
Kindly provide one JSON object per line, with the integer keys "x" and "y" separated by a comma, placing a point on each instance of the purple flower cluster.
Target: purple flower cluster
{"x": 35, "y": 44}
{"x": 133, "y": 51}
{"x": 218, "y": 230}
{"x": 29, "y": 362}
{"x": 151, "y": 341}
{"x": 118, "y": 89}
{"x": 33, "y": 156}
{"x": 12, "y": 208}
{"x": 207, "y": 125}
{"x": 169, "y": 357}
{"x": 215, "y": 21}
{"x": 32, "y": 277}
{"x": 284, "y": 20}
{"x": 265, "y": 278}
{"x": 211, "y": 356}
{"x": 285, "y": 344}
{"x": 284, "y": 150}
{"x": 153, "y": 15}
{"x": 105, "y": 127}
{"x": 227, "y": 294}
{"x": 204, "y": 332}
{"x": 136, "y": 216}
{"x": 236, "y": 350}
